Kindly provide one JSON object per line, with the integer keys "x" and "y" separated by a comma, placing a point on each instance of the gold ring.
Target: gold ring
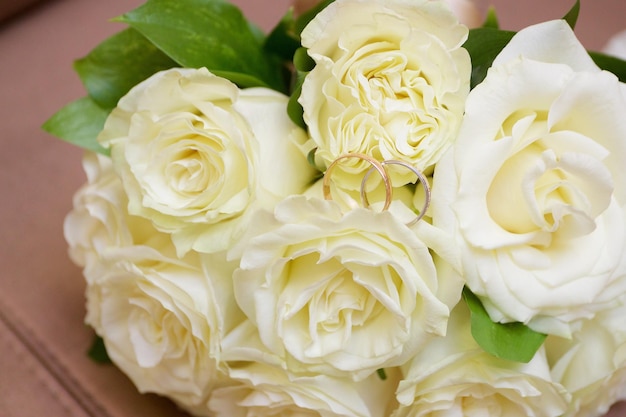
{"x": 422, "y": 179}
{"x": 378, "y": 166}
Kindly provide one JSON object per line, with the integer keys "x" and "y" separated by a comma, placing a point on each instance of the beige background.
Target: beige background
{"x": 43, "y": 367}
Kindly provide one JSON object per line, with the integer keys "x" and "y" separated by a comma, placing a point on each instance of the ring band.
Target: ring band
{"x": 422, "y": 179}
{"x": 378, "y": 166}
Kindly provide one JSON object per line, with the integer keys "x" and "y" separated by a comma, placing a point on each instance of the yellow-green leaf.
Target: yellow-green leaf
{"x": 118, "y": 64}
{"x": 512, "y": 341}
{"x": 208, "y": 33}
{"x": 79, "y": 123}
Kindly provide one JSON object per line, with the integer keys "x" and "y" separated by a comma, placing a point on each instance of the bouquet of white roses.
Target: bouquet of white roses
{"x": 370, "y": 211}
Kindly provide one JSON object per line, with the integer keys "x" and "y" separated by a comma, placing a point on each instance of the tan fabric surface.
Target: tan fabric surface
{"x": 43, "y": 367}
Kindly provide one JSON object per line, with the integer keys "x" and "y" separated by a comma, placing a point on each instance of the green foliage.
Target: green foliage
{"x": 492, "y": 19}
{"x": 283, "y": 40}
{"x": 486, "y": 42}
{"x": 214, "y": 35}
{"x": 111, "y": 69}
{"x": 511, "y": 341}
{"x": 98, "y": 352}
{"x": 572, "y": 16}
{"x": 483, "y": 45}
{"x": 303, "y": 64}
{"x": 610, "y": 63}
{"x": 79, "y": 123}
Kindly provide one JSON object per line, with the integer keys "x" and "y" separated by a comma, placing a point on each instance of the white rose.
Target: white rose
{"x": 341, "y": 294}
{"x": 592, "y": 365}
{"x": 98, "y": 221}
{"x": 390, "y": 81}
{"x": 161, "y": 317}
{"x": 453, "y": 377}
{"x": 195, "y": 153}
{"x": 261, "y": 390}
{"x": 535, "y": 187}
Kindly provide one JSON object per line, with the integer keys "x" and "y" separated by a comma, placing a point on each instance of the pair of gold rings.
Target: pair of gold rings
{"x": 379, "y": 166}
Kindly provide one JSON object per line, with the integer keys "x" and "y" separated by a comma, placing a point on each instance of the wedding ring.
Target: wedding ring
{"x": 376, "y": 165}
{"x": 422, "y": 179}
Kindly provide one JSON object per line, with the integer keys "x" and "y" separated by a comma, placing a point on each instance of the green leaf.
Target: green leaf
{"x": 492, "y": 19}
{"x": 483, "y": 45}
{"x": 302, "y": 61}
{"x": 303, "y": 64}
{"x": 294, "y": 108}
{"x": 98, "y": 352}
{"x": 610, "y": 63}
{"x": 283, "y": 40}
{"x": 79, "y": 123}
{"x": 257, "y": 32}
{"x": 214, "y": 35}
{"x": 111, "y": 69}
{"x": 572, "y": 16}
{"x": 511, "y": 341}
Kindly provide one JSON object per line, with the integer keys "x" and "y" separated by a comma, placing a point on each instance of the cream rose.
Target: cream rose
{"x": 161, "y": 317}
{"x": 592, "y": 365}
{"x": 341, "y": 294}
{"x": 98, "y": 222}
{"x": 390, "y": 81}
{"x": 195, "y": 154}
{"x": 535, "y": 187}
{"x": 452, "y": 376}
{"x": 262, "y": 390}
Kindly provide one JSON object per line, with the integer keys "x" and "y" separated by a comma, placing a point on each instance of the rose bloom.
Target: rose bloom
{"x": 161, "y": 317}
{"x": 262, "y": 390}
{"x": 453, "y": 377}
{"x": 390, "y": 81}
{"x": 592, "y": 365}
{"x": 534, "y": 189}
{"x": 195, "y": 153}
{"x": 341, "y": 294}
